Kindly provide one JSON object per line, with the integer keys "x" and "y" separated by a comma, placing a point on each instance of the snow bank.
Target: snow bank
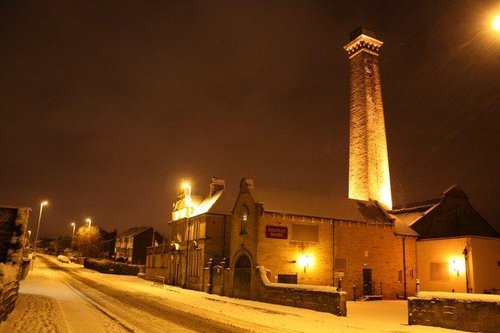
{"x": 263, "y": 274}
{"x": 428, "y": 295}
{"x": 8, "y": 273}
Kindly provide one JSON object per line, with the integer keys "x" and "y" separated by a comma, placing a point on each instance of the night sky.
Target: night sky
{"x": 106, "y": 106}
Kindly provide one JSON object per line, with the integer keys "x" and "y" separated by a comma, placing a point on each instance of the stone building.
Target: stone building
{"x": 196, "y": 233}
{"x": 303, "y": 238}
{"x": 457, "y": 249}
{"x": 277, "y": 241}
{"x": 131, "y": 245}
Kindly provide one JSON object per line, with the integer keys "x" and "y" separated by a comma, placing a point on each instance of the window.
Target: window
{"x": 305, "y": 233}
{"x": 244, "y": 220}
{"x": 287, "y": 278}
{"x": 439, "y": 271}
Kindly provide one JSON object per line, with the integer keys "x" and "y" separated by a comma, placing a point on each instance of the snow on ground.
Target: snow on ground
{"x": 458, "y": 296}
{"x": 48, "y": 304}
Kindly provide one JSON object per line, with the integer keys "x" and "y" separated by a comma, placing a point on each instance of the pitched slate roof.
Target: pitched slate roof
{"x": 133, "y": 231}
{"x": 307, "y": 204}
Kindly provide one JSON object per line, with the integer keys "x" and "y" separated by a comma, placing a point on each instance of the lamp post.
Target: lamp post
{"x": 89, "y": 221}
{"x": 73, "y": 235}
{"x": 187, "y": 205}
{"x": 42, "y": 204}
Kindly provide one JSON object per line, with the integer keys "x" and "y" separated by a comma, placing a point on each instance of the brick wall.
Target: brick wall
{"x": 282, "y": 256}
{"x": 375, "y": 247}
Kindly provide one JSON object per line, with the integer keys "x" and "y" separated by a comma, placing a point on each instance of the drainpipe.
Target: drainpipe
{"x": 404, "y": 266}
{"x": 334, "y": 252}
{"x": 466, "y": 256}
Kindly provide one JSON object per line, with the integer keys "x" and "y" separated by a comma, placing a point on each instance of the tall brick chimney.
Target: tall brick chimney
{"x": 368, "y": 160}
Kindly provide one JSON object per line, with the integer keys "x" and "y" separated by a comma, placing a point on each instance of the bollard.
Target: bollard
{"x": 354, "y": 293}
{"x": 339, "y": 288}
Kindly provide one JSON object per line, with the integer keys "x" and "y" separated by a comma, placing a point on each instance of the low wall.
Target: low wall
{"x": 466, "y": 312}
{"x": 111, "y": 267}
{"x": 318, "y": 298}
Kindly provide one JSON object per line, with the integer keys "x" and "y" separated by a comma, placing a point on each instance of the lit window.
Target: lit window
{"x": 244, "y": 220}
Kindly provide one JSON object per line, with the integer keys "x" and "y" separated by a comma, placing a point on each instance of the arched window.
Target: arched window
{"x": 244, "y": 220}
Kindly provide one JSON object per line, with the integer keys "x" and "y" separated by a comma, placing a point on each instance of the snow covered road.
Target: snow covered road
{"x": 63, "y": 298}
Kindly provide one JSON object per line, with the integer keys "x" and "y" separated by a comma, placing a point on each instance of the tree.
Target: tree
{"x": 87, "y": 241}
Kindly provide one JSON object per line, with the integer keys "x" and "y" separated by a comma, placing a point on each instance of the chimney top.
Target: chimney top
{"x": 361, "y": 31}
{"x": 217, "y": 184}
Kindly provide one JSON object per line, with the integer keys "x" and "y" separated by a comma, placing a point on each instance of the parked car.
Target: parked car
{"x": 62, "y": 258}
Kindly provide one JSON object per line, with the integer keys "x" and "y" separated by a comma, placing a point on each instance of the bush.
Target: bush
{"x": 111, "y": 267}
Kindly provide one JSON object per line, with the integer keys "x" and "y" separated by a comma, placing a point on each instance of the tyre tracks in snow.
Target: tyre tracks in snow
{"x": 136, "y": 312}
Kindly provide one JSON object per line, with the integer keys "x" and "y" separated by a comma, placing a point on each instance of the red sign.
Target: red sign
{"x": 276, "y": 232}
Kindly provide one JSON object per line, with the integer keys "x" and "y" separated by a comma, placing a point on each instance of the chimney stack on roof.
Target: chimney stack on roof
{"x": 216, "y": 185}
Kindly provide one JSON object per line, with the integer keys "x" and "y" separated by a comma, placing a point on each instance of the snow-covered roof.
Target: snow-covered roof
{"x": 307, "y": 204}
{"x": 403, "y": 229}
{"x": 219, "y": 203}
{"x": 133, "y": 231}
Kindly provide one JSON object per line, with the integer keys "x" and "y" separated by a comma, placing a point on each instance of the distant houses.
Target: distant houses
{"x": 131, "y": 244}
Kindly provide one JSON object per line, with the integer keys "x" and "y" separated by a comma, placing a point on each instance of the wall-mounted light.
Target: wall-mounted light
{"x": 305, "y": 261}
{"x": 457, "y": 265}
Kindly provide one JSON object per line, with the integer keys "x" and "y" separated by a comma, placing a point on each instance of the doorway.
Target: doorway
{"x": 367, "y": 281}
{"x": 242, "y": 276}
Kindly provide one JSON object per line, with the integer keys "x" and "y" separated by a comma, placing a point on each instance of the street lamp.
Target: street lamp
{"x": 42, "y": 204}
{"x": 89, "y": 221}
{"x": 187, "y": 205}
{"x": 73, "y": 235}
{"x": 496, "y": 23}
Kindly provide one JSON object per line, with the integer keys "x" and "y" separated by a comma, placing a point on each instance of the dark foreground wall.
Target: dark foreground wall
{"x": 318, "y": 298}
{"x": 465, "y": 315}
{"x": 13, "y": 257}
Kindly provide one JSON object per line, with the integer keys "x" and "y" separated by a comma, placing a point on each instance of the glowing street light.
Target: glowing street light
{"x": 89, "y": 221}
{"x": 496, "y": 23}
{"x": 42, "y": 204}
{"x": 73, "y": 235}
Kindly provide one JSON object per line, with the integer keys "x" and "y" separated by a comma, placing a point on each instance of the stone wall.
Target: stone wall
{"x": 325, "y": 299}
{"x": 473, "y": 312}
{"x": 375, "y": 247}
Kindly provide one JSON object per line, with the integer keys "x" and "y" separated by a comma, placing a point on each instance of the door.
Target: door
{"x": 367, "y": 281}
{"x": 242, "y": 275}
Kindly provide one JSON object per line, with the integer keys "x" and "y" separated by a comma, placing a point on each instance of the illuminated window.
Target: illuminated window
{"x": 244, "y": 220}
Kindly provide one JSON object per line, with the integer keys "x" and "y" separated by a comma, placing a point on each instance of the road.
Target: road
{"x": 61, "y": 298}
{"x": 90, "y": 302}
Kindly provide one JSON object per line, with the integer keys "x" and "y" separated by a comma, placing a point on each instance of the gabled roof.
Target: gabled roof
{"x": 450, "y": 215}
{"x": 307, "y": 204}
{"x": 219, "y": 203}
{"x": 133, "y": 231}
